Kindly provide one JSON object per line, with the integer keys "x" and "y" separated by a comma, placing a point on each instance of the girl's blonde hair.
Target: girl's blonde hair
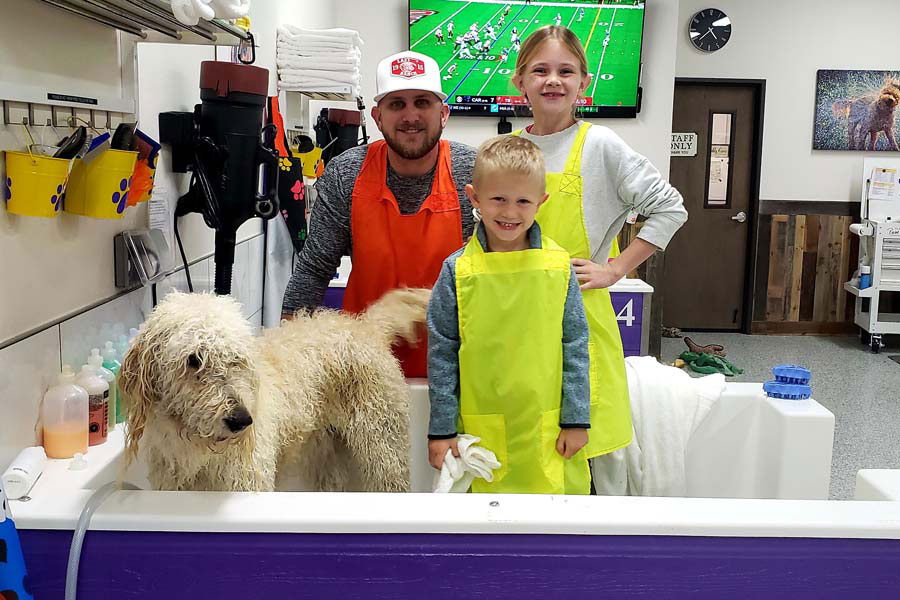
{"x": 551, "y": 32}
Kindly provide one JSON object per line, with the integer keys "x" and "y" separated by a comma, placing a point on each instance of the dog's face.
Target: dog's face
{"x": 191, "y": 366}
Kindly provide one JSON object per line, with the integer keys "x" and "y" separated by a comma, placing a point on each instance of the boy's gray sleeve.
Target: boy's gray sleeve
{"x": 575, "y": 411}
{"x": 443, "y": 354}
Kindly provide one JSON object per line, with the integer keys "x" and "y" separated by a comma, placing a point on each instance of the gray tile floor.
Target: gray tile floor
{"x": 861, "y": 389}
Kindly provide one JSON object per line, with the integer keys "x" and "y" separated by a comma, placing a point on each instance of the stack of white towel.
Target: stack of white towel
{"x": 318, "y": 60}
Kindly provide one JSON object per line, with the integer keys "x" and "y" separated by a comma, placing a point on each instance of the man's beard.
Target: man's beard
{"x": 412, "y": 153}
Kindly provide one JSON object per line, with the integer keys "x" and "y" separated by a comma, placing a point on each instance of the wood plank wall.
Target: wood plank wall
{"x": 809, "y": 259}
{"x": 805, "y": 253}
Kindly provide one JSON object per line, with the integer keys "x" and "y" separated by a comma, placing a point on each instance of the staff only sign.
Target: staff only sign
{"x": 684, "y": 144}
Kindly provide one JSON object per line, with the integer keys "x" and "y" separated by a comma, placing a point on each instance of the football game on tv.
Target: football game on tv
{"x": 476, "y": 42}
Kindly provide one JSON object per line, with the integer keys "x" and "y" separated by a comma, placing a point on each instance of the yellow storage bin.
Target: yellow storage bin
{"x": 35, "y": 184}
{"x": 100, "y": 187}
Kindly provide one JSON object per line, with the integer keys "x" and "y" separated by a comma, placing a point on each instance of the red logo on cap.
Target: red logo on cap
{"x": 408, "y": 67}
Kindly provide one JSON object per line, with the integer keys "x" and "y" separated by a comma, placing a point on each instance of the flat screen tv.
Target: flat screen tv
{"x": 476, "y": 42}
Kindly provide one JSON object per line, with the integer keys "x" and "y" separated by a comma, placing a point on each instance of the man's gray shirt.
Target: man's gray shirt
{"x": 329, "y": 225}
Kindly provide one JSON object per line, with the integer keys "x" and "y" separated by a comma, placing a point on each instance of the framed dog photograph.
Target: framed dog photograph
{"x": 856, "y": 110}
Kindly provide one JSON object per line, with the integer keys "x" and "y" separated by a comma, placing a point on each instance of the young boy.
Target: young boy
{"x": 508, "y": 338}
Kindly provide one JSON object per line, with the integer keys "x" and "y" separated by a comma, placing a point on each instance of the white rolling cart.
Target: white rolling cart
{"x": 879, "y": 249}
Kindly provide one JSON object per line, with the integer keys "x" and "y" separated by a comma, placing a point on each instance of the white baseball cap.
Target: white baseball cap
{"x": 408, "y": 71}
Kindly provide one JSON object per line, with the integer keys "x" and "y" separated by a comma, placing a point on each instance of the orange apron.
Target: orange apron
{"x": 391, "y": 250}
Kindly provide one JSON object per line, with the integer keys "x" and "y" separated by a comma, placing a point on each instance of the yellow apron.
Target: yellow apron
{"x": 511, "y": 369}
{"x": 561, "y": 218}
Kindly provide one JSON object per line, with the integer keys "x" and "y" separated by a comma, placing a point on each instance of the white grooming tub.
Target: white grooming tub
{"x": 354, "y": 545}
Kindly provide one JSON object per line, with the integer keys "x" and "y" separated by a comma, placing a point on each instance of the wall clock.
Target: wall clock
{"x": 710, "y": 29}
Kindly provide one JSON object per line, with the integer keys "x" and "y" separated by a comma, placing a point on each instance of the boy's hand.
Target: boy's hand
{"x": 571, "y": 441}
{"x": 437, "y": 450}
{"x": 593, "y": 276}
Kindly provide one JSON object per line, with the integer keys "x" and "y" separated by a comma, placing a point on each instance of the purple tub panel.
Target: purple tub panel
{"x": 433, "y": 567}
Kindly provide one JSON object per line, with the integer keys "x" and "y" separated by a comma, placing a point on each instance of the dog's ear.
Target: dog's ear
{"x": 140, "y": 384}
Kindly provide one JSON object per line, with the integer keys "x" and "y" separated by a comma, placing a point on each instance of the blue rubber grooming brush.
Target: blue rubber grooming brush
{"x": 792, "y": 374}
{"x": 787, "y": 391}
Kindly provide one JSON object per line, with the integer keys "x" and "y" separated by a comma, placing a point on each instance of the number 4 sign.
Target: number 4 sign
{"x": 626, "y": 315}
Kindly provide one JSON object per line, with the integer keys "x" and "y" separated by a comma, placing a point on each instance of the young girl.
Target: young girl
{"x": 594, "y": 180}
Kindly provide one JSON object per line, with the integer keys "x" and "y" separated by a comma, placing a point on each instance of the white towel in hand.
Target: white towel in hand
{"x": 457, "y": 473}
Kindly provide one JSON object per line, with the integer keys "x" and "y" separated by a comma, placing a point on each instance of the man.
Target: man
{"x": 397, "y": 206}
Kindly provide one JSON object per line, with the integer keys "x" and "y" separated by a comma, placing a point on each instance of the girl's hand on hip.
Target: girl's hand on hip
{"x": 593, "y": 276}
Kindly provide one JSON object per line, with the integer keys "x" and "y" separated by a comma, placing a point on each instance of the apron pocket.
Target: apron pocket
{"x": 553, "y": 464}
{"x": 492, "y": 431}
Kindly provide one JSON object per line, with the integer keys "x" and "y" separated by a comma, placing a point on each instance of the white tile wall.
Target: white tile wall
{"x": 106, "y": 322}
{"x": 29, "y": 368}
{"x": 178, "y": 280}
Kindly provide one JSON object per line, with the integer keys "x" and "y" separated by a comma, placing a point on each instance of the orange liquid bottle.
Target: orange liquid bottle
{"x": 64, "y": 416}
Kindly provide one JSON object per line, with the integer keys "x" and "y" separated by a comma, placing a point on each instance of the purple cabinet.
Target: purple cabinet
{"x": 631, "y": 303}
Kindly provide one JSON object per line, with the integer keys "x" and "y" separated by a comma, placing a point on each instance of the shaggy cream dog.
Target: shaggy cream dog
{"x": 216, "y": 408}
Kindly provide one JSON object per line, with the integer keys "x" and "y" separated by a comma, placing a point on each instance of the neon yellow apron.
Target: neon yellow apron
{"x": 561, "y": 218}
{"x": 511, "y": 369}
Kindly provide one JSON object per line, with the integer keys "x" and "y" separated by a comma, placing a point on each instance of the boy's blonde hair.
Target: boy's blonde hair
{"x": 551, "y": 32}
{"x": 508, "y": 154}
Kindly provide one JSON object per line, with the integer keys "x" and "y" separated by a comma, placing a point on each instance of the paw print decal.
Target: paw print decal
{"x": 297, "y": 190}
{"x": 120, "y": 198}
{"x": 285, "y": 164}
{"x": 56, "y": 199}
